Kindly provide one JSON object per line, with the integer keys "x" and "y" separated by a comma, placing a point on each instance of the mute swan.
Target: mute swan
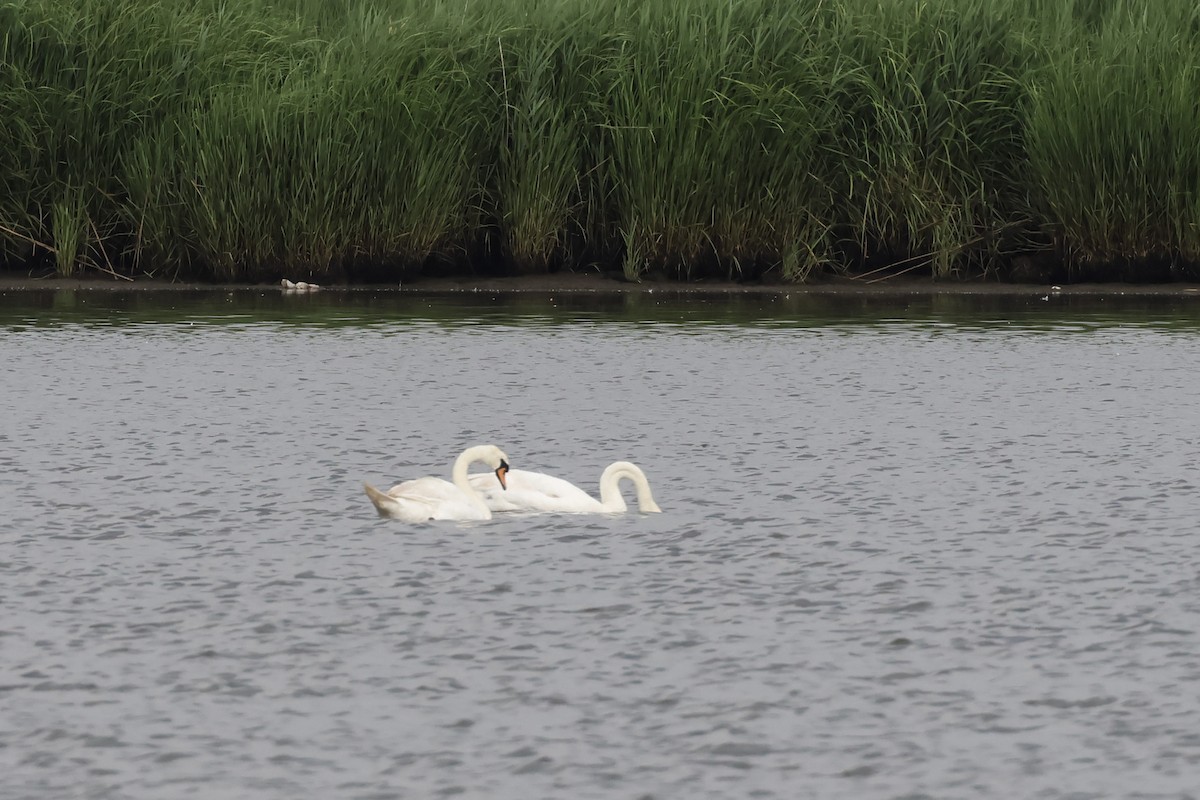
{"x": 536, "y": 491}
{"x": 434, "y": 498}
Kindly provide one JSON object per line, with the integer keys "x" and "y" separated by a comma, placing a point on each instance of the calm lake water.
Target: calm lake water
{"x": 944, "y": 548}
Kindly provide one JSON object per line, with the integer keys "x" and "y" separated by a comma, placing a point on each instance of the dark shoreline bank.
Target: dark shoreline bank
{"x": 573, "y": 283}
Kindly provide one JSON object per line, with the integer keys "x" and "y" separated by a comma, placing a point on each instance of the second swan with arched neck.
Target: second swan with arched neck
{"x": 537, "y": 491}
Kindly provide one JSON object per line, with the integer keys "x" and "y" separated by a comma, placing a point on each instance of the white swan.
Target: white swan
{"x": 536, "y": 491}
{"x": 434, "y": 498}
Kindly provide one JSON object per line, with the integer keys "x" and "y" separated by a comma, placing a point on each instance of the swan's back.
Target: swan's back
{"x": 534, "y": 491}
{"x": 424, "y": 499}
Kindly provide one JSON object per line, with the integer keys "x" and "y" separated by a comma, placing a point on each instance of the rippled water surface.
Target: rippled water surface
{"x": 944, "y": 548}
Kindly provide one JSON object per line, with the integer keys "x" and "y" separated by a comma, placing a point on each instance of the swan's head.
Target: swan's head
{"x": 495, "y": 458}
{"x": 501, "y": 471}
{"x": 487, "y": 454}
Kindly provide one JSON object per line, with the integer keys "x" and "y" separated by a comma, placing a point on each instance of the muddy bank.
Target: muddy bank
{"x": 591, "y": 283}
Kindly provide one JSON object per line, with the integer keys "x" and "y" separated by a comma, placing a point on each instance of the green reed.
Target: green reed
{"x": 1114, "y": 141}
{"x": 690, "y": 138}
{"x": 714, "y": 115}
{"x": 931, "y": 131}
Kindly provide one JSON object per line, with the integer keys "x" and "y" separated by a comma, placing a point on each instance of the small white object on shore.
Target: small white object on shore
{"x": 300, "y": 286}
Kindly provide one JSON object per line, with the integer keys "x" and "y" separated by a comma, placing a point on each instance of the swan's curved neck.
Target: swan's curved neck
{"x": 462, "y": 465}
{"x": 610, "y": 487}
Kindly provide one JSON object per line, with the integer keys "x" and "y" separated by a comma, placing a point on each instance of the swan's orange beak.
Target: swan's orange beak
{"x": 501, "y": 471}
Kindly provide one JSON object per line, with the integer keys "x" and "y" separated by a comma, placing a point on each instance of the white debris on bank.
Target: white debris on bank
{"x": 299, "y": 286}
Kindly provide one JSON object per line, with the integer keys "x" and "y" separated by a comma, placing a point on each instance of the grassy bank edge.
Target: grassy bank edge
{"x": 574, "y": 283}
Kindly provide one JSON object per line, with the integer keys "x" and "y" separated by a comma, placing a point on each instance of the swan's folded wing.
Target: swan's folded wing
{"x": 427, "y": 490}
{"x": 398, "y": 507}
{"x": 437, "y": 498}
{"x": 423, "y": 499}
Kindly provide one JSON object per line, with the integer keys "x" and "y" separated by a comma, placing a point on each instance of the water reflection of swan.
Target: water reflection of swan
{"x": 434, "y": 498}
{"x": 536, "y": 491}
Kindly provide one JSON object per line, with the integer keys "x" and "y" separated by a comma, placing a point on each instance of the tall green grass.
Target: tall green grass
{"x": 712, "y": 142}
{"x": 685, "y": 138}
{"x": 931, "y": 132}
{"x": 1114, "y": 141}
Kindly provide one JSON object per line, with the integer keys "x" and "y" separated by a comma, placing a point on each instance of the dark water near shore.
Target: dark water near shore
{"x": 943, "y": 547}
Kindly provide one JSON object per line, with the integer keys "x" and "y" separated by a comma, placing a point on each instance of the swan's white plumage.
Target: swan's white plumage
{"x": 424, "y": 499}
{"x": 537, "y": 491}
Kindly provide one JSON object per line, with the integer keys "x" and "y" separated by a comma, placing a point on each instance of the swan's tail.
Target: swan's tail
{"x": 385, "y": 504}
